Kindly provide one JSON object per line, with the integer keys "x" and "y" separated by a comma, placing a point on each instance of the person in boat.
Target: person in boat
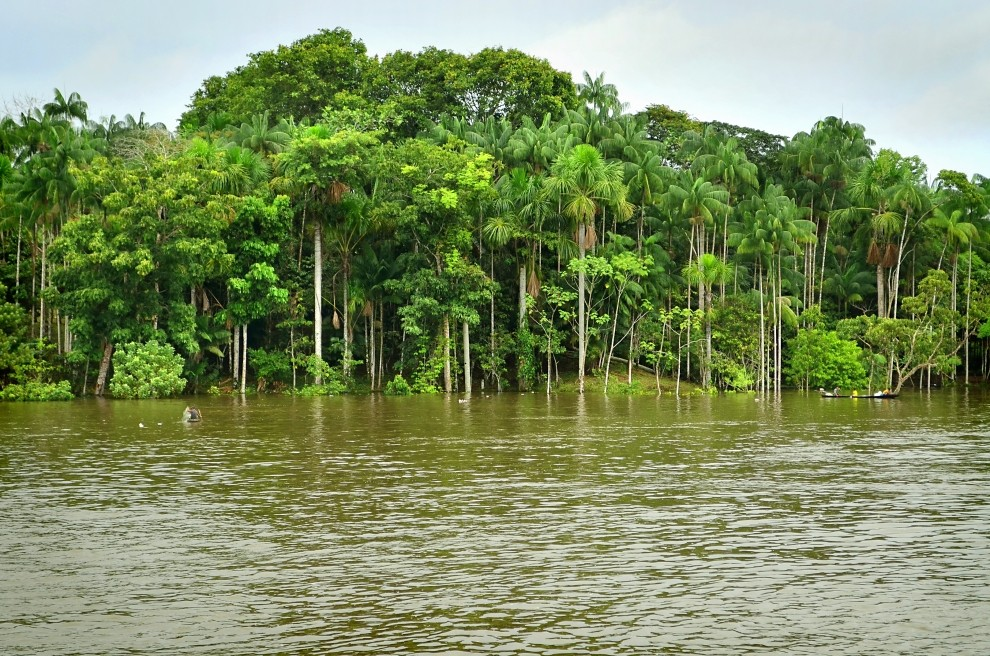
{"x": 835, "y": 392}
{"x": 192, "y": 414}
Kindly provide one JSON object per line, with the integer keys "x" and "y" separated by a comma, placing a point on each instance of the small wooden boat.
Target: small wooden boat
{"x": 875, "y": 395}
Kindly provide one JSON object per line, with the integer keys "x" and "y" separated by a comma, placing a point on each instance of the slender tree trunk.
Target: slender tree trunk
{"x": 101, "y": 379}
{"x": 763, "y": 331}
{"x": 235, "y": 356}
{"x": 244, "y": 356}
{"x": 381, "y": 344}
{"x": 582, "y": 344}
{"x": 523, "y": 383}
{"x": 447, "y": 380}
{"x": 467, "y": 359}
{"x": 347, "y": 325}
{"x": 821, "y": 279}
{"x": 372, "y": 351}
{"x": 881, "y": 296}
{"x": 292, "y": 353}
{"x": 318, "y": 296}
{"x": 522, "y": 296}
{"x": 969, "y": 283}
{"x": 44, "y": 270}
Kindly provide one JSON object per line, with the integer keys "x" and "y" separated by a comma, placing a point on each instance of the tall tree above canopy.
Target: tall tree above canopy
{"x": 331, "y": 69}
{"x": 511, "y": 84}
{"x": 297, "y": 81}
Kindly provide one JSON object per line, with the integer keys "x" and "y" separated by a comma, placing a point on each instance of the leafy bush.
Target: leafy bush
{"x": 271, "y": 366}
{"x": 35, "y": 391}
{"x": 146, "y": 371}
{"x": 398, "y": 387}
{"x": 823, "y": 359}
{"x": 333, "y": 380}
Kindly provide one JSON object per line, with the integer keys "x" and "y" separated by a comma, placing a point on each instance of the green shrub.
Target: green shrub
{"x": 34, "y": 391}
{"x": 398, "y": 387}
{"x": 146, "y": 371}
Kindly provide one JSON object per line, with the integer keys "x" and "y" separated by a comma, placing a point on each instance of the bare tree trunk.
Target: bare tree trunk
{"x": 101, "y": 379}
{"x": 881, "y": 296}
{"x": 763, "y": 385}
{"x": 318, "y": 296}
{"x": 969, "y": 283}
{"x": 244, "y": 356}
{"x": 381, "y": 344}
{"x": 467, "y": 359}
{"x": 582, "y": 345}
{"x": 447, "y": 381}
{"x": 235, "y": 356}
{"x": 44, "y": 270}
{"x": 348, "y": 336}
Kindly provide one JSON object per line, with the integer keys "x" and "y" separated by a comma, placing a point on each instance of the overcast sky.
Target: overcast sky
{"x": 915, "y": 73}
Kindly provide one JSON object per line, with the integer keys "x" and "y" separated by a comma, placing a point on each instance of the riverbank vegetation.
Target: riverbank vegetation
{"x": 324, "y": 221}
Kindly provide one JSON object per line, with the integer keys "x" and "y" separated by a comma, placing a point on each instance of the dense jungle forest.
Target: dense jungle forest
{"x": 325, "y": 221}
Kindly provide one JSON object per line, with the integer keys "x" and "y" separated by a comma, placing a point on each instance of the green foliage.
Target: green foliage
{"x": 333, "y": 380}
{"x": 36, "y": 391}
{"x": 271, "y": 366}
{"x": 525, "y": 346}
{"x": 428, "y": 372}
{"x": 821, "y": 359}
{"x": 398, "y": 387}
{"x": 146, "y": 371}
{"x": 729, "y": 373}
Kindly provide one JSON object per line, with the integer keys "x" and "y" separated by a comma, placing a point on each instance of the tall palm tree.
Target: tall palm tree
{"x": 68, "y": 108}
{"x": 599, "y": 96}
{"x": 706, "y": 272}
{"x": 351, "y": 225}
{"x": 584, "y": 184}
{"x": 889, "y": 201}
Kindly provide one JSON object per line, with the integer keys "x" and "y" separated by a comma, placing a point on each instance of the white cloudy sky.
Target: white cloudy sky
{"x": 916, "y": 73}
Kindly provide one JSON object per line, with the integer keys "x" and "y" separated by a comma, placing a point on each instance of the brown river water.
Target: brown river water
{"x": 510, "y": 524}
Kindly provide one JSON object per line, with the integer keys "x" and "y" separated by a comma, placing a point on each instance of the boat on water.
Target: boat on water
{"x": 876, "y": 395}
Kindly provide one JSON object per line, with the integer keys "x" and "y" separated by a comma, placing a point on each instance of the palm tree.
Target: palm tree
{"x": 698, "y": 201}
{"x": 322, "y": 166}
{"x": 770, "y": 233}
{"x": 647, "y": 178}
{"x": 535, "y": 147}
{"x": 956, "y": 232}
{"x": 599, "y": 96}
{"x": 729, "y": 166}
{"x": 346, "y": 232}
{"x": 263, "y": 138}
{"x": 65, "y": 108}
{"x": 706, "y": 272}
{"x": 888, "y": 194}
{"x": 584, "y": 184}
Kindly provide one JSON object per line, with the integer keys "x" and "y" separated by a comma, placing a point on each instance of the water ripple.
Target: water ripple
{"x": 524, "y": 526}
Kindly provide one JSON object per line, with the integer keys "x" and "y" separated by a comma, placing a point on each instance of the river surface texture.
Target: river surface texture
{"x": 512, "y": 524}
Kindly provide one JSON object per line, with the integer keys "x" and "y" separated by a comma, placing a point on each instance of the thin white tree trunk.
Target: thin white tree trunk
{"x": 447, "y": 381}
{"x": 244, "y": 356}
{"x": 318, "y": 296}
{"x": 44, "y": 270}
{"x": 582, "y": 344}
{"x": 467, "y": 359}
{"x": 235, "y": 355}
